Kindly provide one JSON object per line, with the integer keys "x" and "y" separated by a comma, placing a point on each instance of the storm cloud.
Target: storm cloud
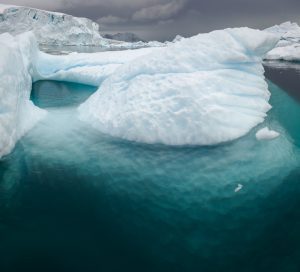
{"x": 163, "y": 19}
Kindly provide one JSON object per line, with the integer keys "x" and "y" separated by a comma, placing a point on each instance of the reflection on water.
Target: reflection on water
{"x": 286, "y": 75}
{"x": 73, "y": 199}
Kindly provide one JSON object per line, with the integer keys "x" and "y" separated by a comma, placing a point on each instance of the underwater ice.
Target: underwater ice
{"x": 197, "y": 91}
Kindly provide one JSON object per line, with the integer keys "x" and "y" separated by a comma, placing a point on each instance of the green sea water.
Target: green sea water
{"x": 73, "y": 199}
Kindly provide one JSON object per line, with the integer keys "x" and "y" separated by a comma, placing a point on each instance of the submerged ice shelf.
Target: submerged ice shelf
{"x": 196, "y": 91}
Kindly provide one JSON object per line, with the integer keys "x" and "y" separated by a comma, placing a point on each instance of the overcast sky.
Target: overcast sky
{"x": 163, "y": 19}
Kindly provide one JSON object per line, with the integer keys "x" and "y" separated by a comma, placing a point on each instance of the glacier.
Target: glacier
{"x": 196, "y": 91}
{"x": 50, "y": 28}
{"x": 60, "y": 29}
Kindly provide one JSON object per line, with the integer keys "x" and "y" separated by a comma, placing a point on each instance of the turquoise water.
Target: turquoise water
{"x": 73, "y": 199}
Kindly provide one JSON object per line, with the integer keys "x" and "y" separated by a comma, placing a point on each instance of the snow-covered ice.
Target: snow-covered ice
{"x": 51, "y": 28}
{"x": 266, "y": 134}
{"x": 288, "y": 31}
{"x": 198, "y": 91}
{"x": 17, "y": 112}
{"x": 84, "y": 68}
{"x": 59, "y": 29}
{"x": 287, "y": 53}
{"x": 288, "y": 48}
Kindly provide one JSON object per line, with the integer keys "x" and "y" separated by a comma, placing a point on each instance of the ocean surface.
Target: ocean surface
{"x": 73, "y": 199}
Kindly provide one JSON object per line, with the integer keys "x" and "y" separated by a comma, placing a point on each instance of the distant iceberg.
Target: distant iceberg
{"x": 59, "y": 29}
{"x": 50, "y": 28}
{"x": 288, "y": 48}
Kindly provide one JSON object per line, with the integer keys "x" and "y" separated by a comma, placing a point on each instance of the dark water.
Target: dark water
{"x": 72, "y": 199}
{"x": 286, "y": 75}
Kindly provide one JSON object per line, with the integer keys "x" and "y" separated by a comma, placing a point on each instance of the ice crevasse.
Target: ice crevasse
{"x": 203, "y": 90}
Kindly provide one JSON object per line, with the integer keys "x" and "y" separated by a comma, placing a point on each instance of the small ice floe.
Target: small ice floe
{"x": 238, "y": 188}
{"x": 266, "y": 134}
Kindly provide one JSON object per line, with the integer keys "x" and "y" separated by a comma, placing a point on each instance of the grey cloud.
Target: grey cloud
{"x": 159, "y": 11}
{"x": 163, "y": 19}
{"x": 111, "y": 20}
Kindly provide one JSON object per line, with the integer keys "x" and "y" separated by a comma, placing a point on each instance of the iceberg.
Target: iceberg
{"x": 288, "y": 48}
{"x": 21, "y": 63}
{"x": 198, "y": 91}
{"x": 289, "y": 33}
{"x": 17, "y": 113}
{"x": 59, "y": 29}
{"x": 286, "y": 53}
{"x": 266, "y": 134}
{"x": 50, "y": 28}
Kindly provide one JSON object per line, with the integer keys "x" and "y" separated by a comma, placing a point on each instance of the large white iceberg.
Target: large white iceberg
{"x": 200, "y": 91}
{"x": 204, "y": 90}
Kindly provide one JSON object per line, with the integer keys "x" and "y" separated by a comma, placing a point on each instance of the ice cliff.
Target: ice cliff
{"x": 59, "y": 29}
{"x": 198, "y": 91}
{"x": 50, "y": 28}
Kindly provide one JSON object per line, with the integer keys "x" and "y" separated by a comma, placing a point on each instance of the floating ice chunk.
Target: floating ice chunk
{"x": 203, "y": 90}
{"x": 238, "y": 188}
{"x": 266, "y": 134}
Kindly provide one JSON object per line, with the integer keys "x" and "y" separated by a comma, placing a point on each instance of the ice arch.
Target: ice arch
{"x": 181, "y": 94}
